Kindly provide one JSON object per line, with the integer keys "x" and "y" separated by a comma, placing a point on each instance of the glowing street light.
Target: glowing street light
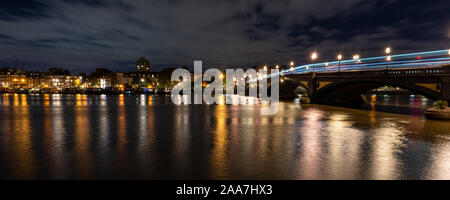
{"x": 388, "y": 57}
{"x": 356, "y": 57}
{"x": 265, "y": 67}
{"x": 449, "y": 52}
{"x": 221, "y": 76}
{"x": 314, "y": 57}
{"x": 279, "y": 66}
{"x": 388, "y": 50}
{"x": 339, "y": 57}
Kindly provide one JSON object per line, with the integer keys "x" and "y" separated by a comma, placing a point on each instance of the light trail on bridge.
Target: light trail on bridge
{"x": 417, "y": 60}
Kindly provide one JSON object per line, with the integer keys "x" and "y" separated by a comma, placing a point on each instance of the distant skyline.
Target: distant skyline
{"x": 81, "y": 35}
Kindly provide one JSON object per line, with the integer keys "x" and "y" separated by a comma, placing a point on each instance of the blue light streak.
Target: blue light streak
{"x": 402, "y": 61}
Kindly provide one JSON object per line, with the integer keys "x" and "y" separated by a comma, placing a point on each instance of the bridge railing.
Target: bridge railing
{"x": 430, "y": 59}
{"x": 397, "y": 72}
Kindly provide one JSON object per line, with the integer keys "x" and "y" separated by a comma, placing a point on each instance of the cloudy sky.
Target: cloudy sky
{"x": 81, "y": 35}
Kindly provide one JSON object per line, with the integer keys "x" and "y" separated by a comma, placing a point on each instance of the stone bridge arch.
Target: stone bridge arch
{"x": 288, "y": 87}
{"x": 349, "y": 92}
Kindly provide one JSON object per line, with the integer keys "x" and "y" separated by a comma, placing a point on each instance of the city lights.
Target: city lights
{"x": 81, "y": 83}
{"x": 314, "y": 56}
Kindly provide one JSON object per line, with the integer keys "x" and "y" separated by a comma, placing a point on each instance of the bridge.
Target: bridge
{"x": 343, "y": 82}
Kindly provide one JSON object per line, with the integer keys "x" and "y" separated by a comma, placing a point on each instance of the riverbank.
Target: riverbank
{"x": 89, "y": 91}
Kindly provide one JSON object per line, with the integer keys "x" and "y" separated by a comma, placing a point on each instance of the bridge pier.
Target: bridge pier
{"x": 445, "y": 84}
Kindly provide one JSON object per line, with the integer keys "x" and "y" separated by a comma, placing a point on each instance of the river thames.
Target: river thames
{"x": 148, "y": 137}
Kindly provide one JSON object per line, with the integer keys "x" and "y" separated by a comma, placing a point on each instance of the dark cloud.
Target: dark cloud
{"x": 14, "y": 10}
{"x": 93, "y": 3}
{"x": 83, "y": 34}
{"x": 261, "y": 24}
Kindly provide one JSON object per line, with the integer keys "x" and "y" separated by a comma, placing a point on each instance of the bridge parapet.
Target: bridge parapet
{"x": 398, "y": 72}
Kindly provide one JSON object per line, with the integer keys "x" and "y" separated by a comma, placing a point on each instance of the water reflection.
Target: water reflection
{"x": 24, "y": 161}
{"x": 311, "y": 150}
{"x": 386, "y": 144}
{"x": 102, "y": 137}
{"x": 146, "y": 137}
{"x": 440, "y": 168}
{"x": 55, "y": 129}
{"x": 122, "y": 139}
{"x": 82, "y": 140}
{"x": 105, "y": 136}
{"x": 344, "y": 140}
{"x": 219, "y": 157}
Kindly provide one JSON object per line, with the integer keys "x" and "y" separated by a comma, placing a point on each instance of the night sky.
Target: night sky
{"x": 81, "y": 35}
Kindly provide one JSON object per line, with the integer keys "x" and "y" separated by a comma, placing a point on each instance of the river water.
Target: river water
{"x": 148, "y": 137}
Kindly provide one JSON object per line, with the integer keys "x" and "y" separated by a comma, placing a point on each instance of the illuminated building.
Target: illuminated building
{"x": 143, "y": 65}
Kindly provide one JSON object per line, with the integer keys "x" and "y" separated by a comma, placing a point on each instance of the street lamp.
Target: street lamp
{"x": 292, "y": 66}
{"x": 388, "y": 50}
{"x": 388, "y": 57}
{"x": 339, "y": 57}
{"x": 314, "y": 57}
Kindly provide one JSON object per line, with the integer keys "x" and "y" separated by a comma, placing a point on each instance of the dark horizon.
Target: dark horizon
{"x": 83, "y": 35}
